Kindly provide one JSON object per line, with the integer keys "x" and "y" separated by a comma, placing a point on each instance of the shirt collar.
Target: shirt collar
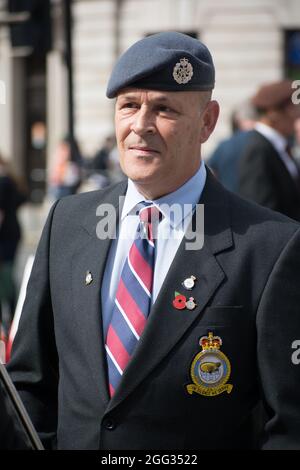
{"x": 277, "y": 139}
{"x": 187, "y": 196}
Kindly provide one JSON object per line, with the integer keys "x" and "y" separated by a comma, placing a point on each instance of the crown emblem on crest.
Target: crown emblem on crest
{"x": 183, "y": 71}
{"x": 210, "y": 342}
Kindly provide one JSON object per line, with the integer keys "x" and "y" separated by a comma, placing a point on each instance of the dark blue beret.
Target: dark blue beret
{"x": 167, "y": 61}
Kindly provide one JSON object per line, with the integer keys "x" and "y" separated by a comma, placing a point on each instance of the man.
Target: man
{"x": 225, "y": 159}
{"x": 269, "y": 175}
{"x": 12, "y": 196}
{"x": 107, "y": 355}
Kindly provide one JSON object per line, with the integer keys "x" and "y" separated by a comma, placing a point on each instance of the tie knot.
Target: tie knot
{"x": 149, "y": 214}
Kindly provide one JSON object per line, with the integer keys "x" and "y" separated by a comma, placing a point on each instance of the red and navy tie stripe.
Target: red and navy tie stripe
{"x": 133, "y": 297}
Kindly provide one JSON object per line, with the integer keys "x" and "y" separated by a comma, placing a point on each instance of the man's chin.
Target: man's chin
{"x": 142, "y": 175}
{"x": 142, "y": 179}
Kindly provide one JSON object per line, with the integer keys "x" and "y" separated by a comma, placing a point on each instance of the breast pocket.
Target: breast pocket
{"x": 222, "y": 361}
{"x": 225, "y": 316}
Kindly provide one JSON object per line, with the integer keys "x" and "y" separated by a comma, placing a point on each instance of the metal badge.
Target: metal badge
{"x": 183, "y": 71}
{"x": 210, "y": 369}
{"x": 88, "y": 278}
{"x": 189, "y": 283}
{"x": 191, "y": 304}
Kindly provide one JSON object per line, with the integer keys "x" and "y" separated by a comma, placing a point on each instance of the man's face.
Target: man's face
{"x": 283, "y": 120}
{"x": 159, "y": 135}
{"x": 290, "y": 114}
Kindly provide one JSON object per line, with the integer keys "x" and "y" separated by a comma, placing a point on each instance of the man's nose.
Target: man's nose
{"x": 143, "y": 122}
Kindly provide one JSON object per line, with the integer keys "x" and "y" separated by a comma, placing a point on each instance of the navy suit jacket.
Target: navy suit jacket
{"x": 264, "y": 178}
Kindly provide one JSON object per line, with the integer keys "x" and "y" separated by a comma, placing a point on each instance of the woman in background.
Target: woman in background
{"x": 12, "y": 195}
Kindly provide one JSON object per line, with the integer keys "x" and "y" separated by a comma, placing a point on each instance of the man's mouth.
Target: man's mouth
{"x": 143, "y": 150}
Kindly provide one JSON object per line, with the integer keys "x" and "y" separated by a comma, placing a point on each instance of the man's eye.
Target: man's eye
{"x": 165, "y": 109}
{"x": 129, "y": 105}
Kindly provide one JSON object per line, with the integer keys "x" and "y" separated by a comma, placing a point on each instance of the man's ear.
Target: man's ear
{"x": 209, "y": 120}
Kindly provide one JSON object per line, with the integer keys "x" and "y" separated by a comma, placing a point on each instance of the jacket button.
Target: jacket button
{"x": 109, "y": 424}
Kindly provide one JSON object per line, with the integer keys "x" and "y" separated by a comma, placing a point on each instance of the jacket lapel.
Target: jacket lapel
{"x": 166, "y": 325}
{"x": 90, "y": 256}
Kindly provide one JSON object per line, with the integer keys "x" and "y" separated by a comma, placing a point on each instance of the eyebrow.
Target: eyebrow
{"x": 133, "y": 96}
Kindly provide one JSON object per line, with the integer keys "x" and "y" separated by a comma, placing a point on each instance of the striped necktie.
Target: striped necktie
{"x": 133, "y": 297}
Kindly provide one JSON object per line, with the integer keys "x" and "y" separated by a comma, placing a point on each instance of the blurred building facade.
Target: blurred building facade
{"x": 251, "y": 41}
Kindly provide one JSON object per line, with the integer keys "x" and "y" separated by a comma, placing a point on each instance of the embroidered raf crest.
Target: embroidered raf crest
{"x": 210, "y": 369}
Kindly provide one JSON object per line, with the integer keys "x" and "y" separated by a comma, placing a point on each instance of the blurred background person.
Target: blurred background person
{"x": 269, "y": 175}
{"x": 296, "y": 143}
{"x": 98, "y": 168}
{"x": 115, "y": 170}
{"x": 104, "y": 168}
{"x": 65, "y": 177}
{"x": 224, "y": 160}
{"x": 100, "y": 162}
{"x": 12, "y": 196}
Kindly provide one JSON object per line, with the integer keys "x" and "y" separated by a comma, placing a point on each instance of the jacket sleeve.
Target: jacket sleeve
{"x": 16, "y": 431}
{"x": 11, "y": 437}
{"x": 278, "y": 331}
{"x": 34, "y": 363}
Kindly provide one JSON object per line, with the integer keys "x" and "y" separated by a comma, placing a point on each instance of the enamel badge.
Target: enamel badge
{"x": 210, "y": 369}
{"x": 88, "y": 278}
{"x": 189, "y": 283}
{"x": 183, "y": 71}
{"x": 180, "y": 302}
{"x": 190, "y": 304}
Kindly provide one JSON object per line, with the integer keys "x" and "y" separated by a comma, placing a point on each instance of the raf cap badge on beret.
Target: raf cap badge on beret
{"x": 183, "y": 71}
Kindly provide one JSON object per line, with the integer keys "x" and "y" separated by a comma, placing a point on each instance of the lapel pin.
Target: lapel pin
{"x": 190, "y": 304}
{"x": 180, "y": 302}
{"x": 88, "y": 278}
{"x": 189, "y": 283}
